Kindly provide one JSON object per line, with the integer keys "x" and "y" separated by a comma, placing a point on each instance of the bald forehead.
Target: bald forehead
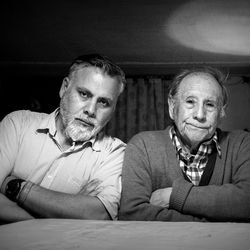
{"x": 200, "y": 84}
{"x": 201, "y": 75}
{"x": 200, "y": 78}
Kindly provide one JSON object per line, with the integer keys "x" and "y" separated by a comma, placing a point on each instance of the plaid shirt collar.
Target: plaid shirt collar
{"x": 205, "y": 148}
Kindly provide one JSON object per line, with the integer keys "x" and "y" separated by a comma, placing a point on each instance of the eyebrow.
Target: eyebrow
{"x": 208, "y": 98}
{"x": 110, "y": 100}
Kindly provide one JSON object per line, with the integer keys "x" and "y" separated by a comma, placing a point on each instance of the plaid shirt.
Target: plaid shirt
{"x": 193, "y": 165}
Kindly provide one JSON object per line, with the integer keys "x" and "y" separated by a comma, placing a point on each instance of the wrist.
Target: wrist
{"x": 24, "y": 192}
{"x": 13, "y": 187}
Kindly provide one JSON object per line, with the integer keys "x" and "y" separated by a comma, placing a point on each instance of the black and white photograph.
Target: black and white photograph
{"x": 125, "y": 125}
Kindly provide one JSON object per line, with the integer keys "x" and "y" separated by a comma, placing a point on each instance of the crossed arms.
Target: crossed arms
{"x": 41, "y": 202}
{"x": 154, "y": 187}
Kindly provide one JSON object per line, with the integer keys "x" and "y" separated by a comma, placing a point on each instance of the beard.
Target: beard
{"x": 77, "y": 132}
{"x": 74, "y": 129}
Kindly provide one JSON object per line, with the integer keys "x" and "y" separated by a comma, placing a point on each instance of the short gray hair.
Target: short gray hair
{"x": 101, "y": 62}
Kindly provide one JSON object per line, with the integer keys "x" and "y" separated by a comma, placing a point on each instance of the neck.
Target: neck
{"x": 190, "y": 148}
{"x": 63, "y": 140}
{"x": 186, "y": 144}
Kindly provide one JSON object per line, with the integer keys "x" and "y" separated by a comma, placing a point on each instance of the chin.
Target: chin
{"x": 81, "y": 137}
{"x": 76, "y": 133}
{"x": 197, "y": 137}
{"x": 198, "y": 140}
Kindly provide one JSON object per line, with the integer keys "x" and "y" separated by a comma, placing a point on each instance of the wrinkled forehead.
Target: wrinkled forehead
{"x": 200, "y": 85}
{"x": 200, "y": 80}
{"x": 200, "y": 76}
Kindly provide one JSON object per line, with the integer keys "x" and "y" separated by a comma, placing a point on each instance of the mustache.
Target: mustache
{"x": 86, "y": 120}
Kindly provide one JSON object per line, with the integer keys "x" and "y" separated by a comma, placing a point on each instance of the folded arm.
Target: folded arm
{"x": 138, "y": 200}
{"x": 226, "y": 202}
{"x": 11, "y": 212}
{"x": 229, "y": 200}
{"x": 51, "y": 204}
{"x": 23, "y": 197}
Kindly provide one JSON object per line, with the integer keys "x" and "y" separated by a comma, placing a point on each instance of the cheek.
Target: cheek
{"x": 214, "y": 118}
{"x": 75, "y": 105}
{"x": 104, "y": 116}
{"x": 68, "y": 100}
{"x": 181, "y": 114}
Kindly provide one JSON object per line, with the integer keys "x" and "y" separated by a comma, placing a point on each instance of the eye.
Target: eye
{"x": 104, "y": 103}
{"x": 84, "y": 94}
{"x": 190, "y": 101}
{"x": 210, "y": 105}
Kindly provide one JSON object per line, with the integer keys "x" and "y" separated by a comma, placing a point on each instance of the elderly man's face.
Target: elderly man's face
{"x": 196, "y": 109}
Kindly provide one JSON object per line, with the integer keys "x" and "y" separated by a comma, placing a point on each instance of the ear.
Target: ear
{"x": 223, "y": 112}
{"x": 64, "y": 86}
{"x": 171, "y": 104}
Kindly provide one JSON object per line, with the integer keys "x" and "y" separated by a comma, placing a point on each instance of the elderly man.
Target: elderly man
{"x": 192, "y": 171}
{"x": 62, "y": 165}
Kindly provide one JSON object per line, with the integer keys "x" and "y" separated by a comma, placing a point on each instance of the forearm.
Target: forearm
{"x": 137, "y": 184}
{"x": 138, "y": 205}
{"x": 147, "y": 212}
{"x": 11, "y": 212}
{"x": 51, "y": 204}
{"x": 225, "y": 202}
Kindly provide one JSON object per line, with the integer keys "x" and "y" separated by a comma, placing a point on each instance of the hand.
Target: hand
{"x": 161, "y": 197}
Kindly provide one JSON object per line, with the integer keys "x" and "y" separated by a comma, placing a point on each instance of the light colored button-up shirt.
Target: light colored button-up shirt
{"x": 29, "y": 149}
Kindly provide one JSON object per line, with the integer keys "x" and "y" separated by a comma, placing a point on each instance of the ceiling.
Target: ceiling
{"x": 144, "y": 37}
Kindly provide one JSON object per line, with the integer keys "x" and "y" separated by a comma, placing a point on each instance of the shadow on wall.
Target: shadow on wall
{"x": 238, "y": 110}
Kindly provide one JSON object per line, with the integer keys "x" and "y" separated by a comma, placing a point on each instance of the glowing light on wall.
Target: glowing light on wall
{"x": 221, "y": 26}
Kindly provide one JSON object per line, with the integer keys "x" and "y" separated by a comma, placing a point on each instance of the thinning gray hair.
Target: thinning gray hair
{"x": 218, "y": 75}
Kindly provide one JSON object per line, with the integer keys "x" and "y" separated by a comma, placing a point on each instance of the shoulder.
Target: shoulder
{"x": 23, "y": 118}
{"x": 236, "y": 140}
{"x": 109, "y": 143}
{"x": 151, "y": 137}
{"x": 234, "y": 136}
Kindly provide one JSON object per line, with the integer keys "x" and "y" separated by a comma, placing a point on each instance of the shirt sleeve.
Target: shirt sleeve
{"x": 109, "y": 176}
{"x": 9, "y": 130}
{"x": 228, "y": 200}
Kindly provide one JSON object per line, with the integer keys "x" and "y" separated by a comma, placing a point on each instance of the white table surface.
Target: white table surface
{"x": 49, "y": 234}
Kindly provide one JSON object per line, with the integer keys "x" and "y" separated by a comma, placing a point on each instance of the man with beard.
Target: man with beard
{"x": 62, "y": 165}
{"x": 192, "y": 170}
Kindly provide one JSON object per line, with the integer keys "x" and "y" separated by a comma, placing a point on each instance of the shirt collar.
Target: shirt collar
{"x": 48, "y": 125}
{"x": 176, "y": 140}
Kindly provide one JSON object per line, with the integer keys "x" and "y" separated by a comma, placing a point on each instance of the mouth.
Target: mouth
{"x": 198, "y": 127}
{"x": 85, "y": 123}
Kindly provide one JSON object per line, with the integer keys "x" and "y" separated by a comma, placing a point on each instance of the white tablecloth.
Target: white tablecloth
{"x": 62, "y": 234}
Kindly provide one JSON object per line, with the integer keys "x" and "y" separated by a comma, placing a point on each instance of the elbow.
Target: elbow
{"x": 103, "y": 216}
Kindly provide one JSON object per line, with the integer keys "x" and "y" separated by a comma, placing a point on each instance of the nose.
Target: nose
{"x": 90, "y": 108}
{"x": 200, "y": 113}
